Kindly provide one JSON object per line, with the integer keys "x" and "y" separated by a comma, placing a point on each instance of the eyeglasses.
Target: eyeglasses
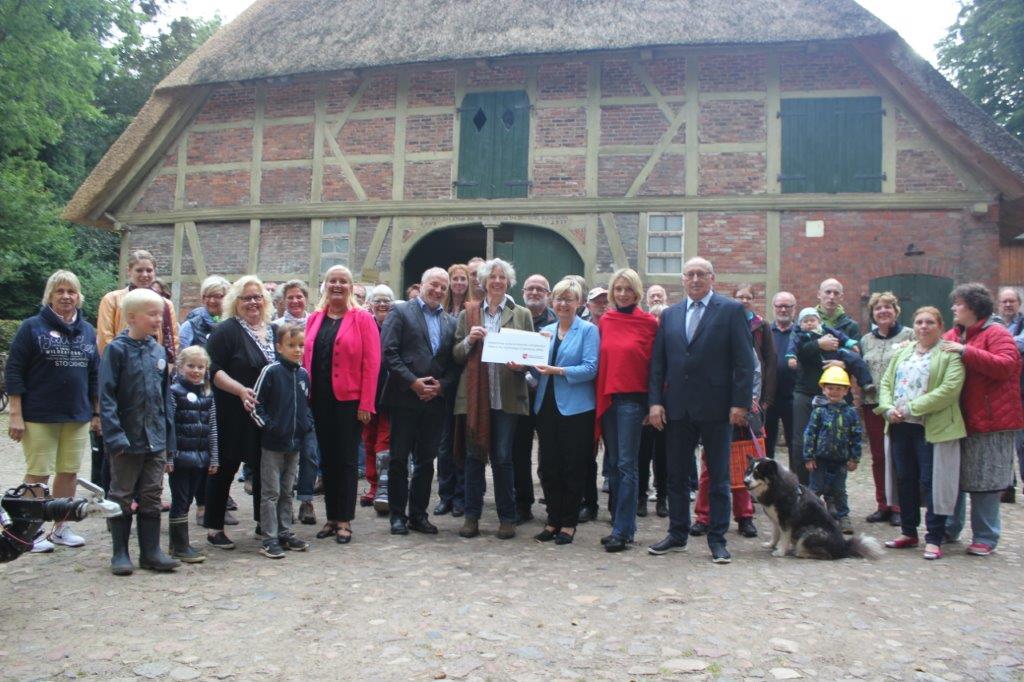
{"x": 255, "y": 298}
{"x": 382, "y": 303}
{"x": 537, "y": 290}
{"x": 696, "y": 274}
{"x": 566, "y": 301}
{"x": 782, "y": 306}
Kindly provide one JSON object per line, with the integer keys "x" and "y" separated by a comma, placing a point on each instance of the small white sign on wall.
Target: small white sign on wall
{"x": 815, "y": 228}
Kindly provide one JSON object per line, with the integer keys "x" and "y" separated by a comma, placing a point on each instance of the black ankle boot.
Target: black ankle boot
{"x": 120, "y": 529}
{"x": 150, "y": 554}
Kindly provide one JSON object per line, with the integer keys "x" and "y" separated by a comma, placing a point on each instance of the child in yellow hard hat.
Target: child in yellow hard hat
{"x": 832, "y": 443}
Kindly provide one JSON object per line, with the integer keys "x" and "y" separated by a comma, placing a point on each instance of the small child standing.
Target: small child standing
{"x": 282, "y": 412}
{"x": 194, "y": 416}
{"x": 137, "y": 429}
{"x": 832, "y": 443}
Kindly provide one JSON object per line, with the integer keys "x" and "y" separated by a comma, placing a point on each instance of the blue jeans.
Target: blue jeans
{"x": 912, "y": 457}
{"x": 451, "y": 480}
{"x": 503, "y": 430}
{"x": 185, "y": 481}
{"x": 985, "y": 524}
{"x": 829, "y": 479}
{"x": 622, "y": 424}
{"x": 309, "y": 464}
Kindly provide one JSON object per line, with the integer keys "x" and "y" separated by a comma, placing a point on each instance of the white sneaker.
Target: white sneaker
{"x": 63, "y": 535}
{"x": 42, "y": 546}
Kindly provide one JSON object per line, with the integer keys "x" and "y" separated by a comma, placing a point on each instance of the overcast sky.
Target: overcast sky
{"x": 922, "y": 23}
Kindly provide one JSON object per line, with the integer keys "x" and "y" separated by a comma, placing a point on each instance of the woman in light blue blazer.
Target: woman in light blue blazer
{"x": 565, "y": 412}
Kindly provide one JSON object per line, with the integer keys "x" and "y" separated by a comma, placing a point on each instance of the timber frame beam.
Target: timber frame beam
{"x": 456, "y": 207}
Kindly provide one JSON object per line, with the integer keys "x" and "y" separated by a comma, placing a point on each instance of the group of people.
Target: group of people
{"x": 295, "y": 394}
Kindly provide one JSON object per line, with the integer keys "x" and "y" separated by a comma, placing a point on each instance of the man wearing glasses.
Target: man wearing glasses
{"x": 536, "y": 296}
{"x": 784, "y": 308}
{"x": 700, "y": 386}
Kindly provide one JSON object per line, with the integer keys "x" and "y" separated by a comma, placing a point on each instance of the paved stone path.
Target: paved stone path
{"x": 442, "y": 607}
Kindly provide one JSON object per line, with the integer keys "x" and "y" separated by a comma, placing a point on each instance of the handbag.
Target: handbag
{"x": 741, "y": 453}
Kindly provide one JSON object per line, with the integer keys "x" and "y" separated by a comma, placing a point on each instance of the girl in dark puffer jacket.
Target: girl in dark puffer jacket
{"x": 194, "y": 415}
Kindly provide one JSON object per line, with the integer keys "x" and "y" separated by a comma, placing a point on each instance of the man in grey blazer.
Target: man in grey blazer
{"x": 416, "y": 345}
{"x": 700, "y": 385}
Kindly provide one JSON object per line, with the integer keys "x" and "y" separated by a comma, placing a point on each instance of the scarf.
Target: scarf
{"x": 167, "y": 336}
{"x": 627, "y": 341}
{"x": 834, "y": 319}
{"x": 476, "y": 427}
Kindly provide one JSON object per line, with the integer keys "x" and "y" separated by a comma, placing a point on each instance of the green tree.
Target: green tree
{"x": 984, "y": 54}
{"x": 72, "y": 75}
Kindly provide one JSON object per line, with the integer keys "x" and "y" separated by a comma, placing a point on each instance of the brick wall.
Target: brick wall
{"x": 732, "y": 173}
{"x": 432, "y": 88}
{"x": 732, "y": 121}
{"x": 284, "y": 246}
{"x": 823, "y": 68}
{"x": 159, "y": 196}
{"x": 291, "y": 99}
{"x": 922, "y": 170}
{"x": 159, "y": 241}
{"x": 285, "y": 185}
{"x": 229, "y": 104}
{"x": 734, "y": 242}
{"x": 226, "y": 188}
{"x": 287, "y": 142}
{"x": 667, "y": 178}
{"x": 429, "y": 133}
{"x": 632, "y": 124}
{"x": 559, "y": 176}
{"x": 371, "y": 136}
{"x": 225, "y": 247}
{"x": 561, "y": 127}
{"x": 562, "y": 80}
{"x": 219, "y": 146}
{"x": 732, "y": 72}
{"x": 616, "y": 173}
{"x": 428, "y": 180}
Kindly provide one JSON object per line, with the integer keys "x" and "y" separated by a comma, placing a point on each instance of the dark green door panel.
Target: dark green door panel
{"x": 539, "y": 251}
{"x": 494, "y": 145}
{"x": 916, "y": 291}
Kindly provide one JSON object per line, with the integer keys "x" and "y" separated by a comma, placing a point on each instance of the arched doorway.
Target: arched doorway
{"x": 530, "y": 250}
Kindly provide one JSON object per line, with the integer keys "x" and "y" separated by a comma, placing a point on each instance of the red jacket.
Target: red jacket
{"x": 990, "y": 400}
{"x": 356, "y": 361}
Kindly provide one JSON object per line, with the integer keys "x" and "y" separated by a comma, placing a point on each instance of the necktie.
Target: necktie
{"x": 694, "y": 319}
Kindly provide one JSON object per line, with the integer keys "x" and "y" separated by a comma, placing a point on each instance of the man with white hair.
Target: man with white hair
{"x": 419, "y": 375}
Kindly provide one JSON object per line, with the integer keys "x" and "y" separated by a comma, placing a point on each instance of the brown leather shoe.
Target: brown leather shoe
{"x": 470, "y": 528}
{"x": 506, "y": 530}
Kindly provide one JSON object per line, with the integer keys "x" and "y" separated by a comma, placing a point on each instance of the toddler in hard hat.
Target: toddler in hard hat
{"x": 832, "y": 443}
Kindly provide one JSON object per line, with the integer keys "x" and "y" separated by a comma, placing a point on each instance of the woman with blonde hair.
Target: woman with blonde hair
{"x": 451, "y": 479}
{"x": 627, "y": 341}
{"x": 52, "y": 375}
{"x": 342, "y": 356}
{"x": 239, "y": 347}
{"x": 109, "y": 323}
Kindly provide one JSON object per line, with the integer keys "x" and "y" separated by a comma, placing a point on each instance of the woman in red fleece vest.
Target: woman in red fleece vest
{"x": 627, "y": 338}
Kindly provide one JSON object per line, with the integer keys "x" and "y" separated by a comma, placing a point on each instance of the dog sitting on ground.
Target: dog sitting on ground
{"x": 801, "y": 523}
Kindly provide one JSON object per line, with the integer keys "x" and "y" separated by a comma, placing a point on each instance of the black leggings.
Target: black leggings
{"x": 218, "y": 487}
{"x": 337, "y": 433}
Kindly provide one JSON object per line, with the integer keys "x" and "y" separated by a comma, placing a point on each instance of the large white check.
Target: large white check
{"x": 525, "y": 348}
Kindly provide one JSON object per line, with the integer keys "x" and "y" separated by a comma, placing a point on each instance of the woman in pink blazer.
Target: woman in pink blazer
{"x": 342, "y": 356}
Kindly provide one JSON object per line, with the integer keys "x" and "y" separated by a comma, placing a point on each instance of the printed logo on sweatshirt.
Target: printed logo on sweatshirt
{"x": 63, "y": 351}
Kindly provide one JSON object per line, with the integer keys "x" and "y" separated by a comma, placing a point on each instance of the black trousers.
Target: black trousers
{"x": 780, "y": 411}
{"x": 681, "y": 439}
{"x": 568, "y": 445}
{"x": 415, "y": 431}
{"x": 590, "y": 481}
{"x": 652, "y": 449}
{"x": 522, "y": 460}
{"x": 337, "y": 433}
{"x": 218, "y": 488}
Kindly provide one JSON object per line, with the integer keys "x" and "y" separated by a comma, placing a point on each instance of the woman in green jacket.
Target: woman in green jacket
{"x": 920, "y": 400}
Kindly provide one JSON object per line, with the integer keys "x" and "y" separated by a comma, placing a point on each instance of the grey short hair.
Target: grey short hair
{"x": 295, "y": 284}
{"x": 697, "y": 260}
{"x": 63, "y": 277}
{"x": 431, "y": 272}
{"x": 214, "y": 283}
{"x": 380, "y": 290}
{"x": 484, "y": 271}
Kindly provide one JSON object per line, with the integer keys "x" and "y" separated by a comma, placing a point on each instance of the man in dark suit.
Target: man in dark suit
{"x": 416, "y": 344}
{"x": 701, "y": 384}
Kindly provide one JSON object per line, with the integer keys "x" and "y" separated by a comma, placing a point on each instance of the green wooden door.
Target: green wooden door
{"x": 915, "y": 291}
{"x": 494, "y": 137}
{"x": 832, "y": 144}
{"x": 535, "y": 250}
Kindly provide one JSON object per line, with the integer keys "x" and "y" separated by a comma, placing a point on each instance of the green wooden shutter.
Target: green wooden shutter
{"x": 494, "y": 143}
{"x": 831, "y": 144}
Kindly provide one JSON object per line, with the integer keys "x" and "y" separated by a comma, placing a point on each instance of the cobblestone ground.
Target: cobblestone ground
{"x": 441, "y": 607}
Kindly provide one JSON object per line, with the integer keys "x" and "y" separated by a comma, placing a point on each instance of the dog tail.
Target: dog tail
{"x": 865, "y": 547}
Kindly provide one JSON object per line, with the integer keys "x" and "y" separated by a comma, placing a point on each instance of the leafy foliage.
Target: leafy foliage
{"x": 73, "y": 73}
{"x": 984, "y": 54}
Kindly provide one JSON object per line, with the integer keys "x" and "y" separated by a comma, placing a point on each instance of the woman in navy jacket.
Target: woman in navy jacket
{"x": 565, "y": 412}
{"x": 52, "y": 375}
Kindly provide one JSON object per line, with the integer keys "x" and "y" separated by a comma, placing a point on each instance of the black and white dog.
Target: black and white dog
{"x": 801, "y": 523}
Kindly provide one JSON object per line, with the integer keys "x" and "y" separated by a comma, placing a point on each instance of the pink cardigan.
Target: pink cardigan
{"x": 356, "y": 360}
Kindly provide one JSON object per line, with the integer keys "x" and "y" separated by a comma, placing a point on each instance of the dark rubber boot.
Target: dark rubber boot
{"x": 380, "y": 500}
{"x": 151, "y": 556}
{"x": 179, "y": 544}
{"x": 120, "y": 529}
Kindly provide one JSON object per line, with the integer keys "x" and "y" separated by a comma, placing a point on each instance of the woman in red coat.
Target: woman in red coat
{"x": 342, "y": 356}
{"x": 991, "y": 407}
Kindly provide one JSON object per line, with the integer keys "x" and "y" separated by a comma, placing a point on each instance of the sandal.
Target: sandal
{"x": 343, "y": 536}
{"x": 327, "y": 531}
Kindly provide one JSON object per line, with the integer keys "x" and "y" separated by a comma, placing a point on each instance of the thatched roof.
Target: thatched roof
{"x": 286, "y": 37}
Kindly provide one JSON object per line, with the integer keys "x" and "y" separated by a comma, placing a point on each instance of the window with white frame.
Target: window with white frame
{"x": 664, "y": 244}
{"x": 334, "y": 243}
